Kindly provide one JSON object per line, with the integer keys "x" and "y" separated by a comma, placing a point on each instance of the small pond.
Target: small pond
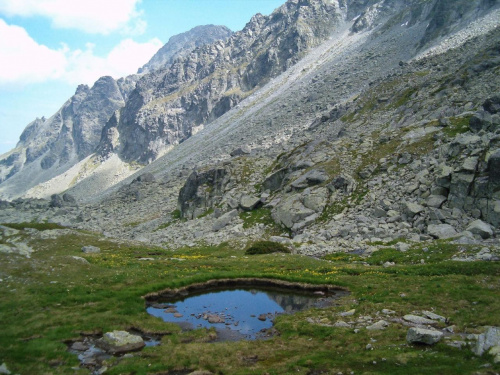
{"x": 238, "y": 312}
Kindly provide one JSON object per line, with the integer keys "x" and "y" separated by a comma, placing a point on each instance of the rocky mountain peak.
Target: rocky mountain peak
{"x": 180, "y": 45}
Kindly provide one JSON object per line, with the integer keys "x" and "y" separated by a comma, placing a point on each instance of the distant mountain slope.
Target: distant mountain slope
{"x": 180, "y": 45}
{"x": 50, "y": 146}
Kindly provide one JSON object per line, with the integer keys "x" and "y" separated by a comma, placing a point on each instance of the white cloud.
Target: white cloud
{"x": 125, "y": 58}
{"x": 24, "y": 61}
{"x": 91, "y": 16}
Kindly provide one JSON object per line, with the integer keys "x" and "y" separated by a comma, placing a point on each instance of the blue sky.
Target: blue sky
{"x": 48, "y": 47}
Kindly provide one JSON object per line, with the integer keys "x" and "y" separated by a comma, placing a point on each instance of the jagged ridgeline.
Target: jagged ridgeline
{"x": 203, "y": 74}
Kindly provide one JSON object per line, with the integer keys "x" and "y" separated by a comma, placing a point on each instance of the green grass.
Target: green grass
{"x": 51, "y": 297}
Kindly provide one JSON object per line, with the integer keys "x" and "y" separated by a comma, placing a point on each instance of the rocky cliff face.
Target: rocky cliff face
{"x": 179, "y": 46}
{"x": 169, "y": 106}
{"x": 49, "y": 146}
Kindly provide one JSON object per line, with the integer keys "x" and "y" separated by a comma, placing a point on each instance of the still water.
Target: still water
{"x": 236, "y": 314}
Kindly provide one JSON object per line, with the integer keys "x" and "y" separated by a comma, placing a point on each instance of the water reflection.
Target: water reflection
{"x": 238, "y": 313}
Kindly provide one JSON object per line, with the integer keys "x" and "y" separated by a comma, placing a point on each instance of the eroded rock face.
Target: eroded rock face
{"x": 202, "y": 191}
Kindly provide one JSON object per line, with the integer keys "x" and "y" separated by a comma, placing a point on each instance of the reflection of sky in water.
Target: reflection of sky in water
{"x": 239, "y": 308}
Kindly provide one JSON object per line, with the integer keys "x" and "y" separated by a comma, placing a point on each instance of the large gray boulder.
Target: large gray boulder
{"x": 224, "y": 220}
{"x": 249, "y": 202}
{"x": 480, "y": 228}
{"x": 311, "y": 178}
{"x": 291, "y": 211}
{"x": 118, "y": 342}
{"x": 412, "y": 209}
{"x": 441, "y": 231}
{"x": 423, "y": 336}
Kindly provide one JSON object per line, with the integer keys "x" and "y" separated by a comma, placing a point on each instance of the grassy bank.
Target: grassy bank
{"x": 53, "y": 297}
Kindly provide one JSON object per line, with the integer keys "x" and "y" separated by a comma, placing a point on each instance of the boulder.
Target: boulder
{"x": 56, "y": 201}
{"x": 443, "y": 178}
{"x": 91, "y": 249}
{"x": 492, "y": 104}
{"x": 291, "y": 211}
{"x": 480, "y": 228}
{"x": 436, "y": 201}
{"x": 249, "y": 202}
{"x": 423, "y": 336}
{"x": 4, "y": 370}
{"x": 224, "y": 220}
{"x": 316, "y": 199}
{"x": 118, "y": 342}
{"x": 412, "y": 209}
{"x": 494, "y": 170}
{"x": 441, "y": 231}
{"x": 415, "y": 319}
{"x": 311, "y": 178}
{"x": 274, "y": 181}
{"x": 243, "y": 150}
{"x": 489, "y": 339}
{"x": 68, "y": 198}
{"x": 480, "y": 121}
{"x": 145, "y": 177}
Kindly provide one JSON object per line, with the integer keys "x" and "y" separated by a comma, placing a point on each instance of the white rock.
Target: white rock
{"x": 423, "y": 336}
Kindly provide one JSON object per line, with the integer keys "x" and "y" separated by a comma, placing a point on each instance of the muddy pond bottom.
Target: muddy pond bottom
{"x": 237, "y": 314}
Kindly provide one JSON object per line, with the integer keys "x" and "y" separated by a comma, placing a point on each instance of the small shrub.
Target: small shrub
{"x": 266, "y": 247}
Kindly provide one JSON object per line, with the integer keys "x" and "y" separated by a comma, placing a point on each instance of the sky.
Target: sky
{"x": 49, "y": 47}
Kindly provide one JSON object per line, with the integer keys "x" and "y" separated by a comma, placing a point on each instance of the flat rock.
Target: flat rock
{"x": 441, "y": 231}
{"x": 381, "y": 324}
{"x": 117, "y": 342}
{"x": 418, "y": 319}
{"x": 433, "y": 316}
{"x": 91, "y": 249}
{"x": 423, "y": 336}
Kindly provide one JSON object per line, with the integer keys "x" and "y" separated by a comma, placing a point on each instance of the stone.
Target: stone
{"x": 492, "y": 104}
{"x": 118, "y": 342}
{"x": 441, "y": 231}
{"x": 146, "y": 177}
{"x": 348, "y": 313}
{"x": 418, "y": 319}
{"x": 380, "y": 325}
{"x": 434, "y": 316}
{"x": 342, "y": 324}
{"x": 311, "y": 178}
{"x": 316, "y": 199}
{"x": 215, "y": 319}
{"x": 274, "y": 181}
{"x": 80, "y": 259}
{"x": 243, "y": 150}
{"x": 436, "y": 201}
{"x": 249, "y": 202}
{"x": 480, "y": 120}
{"x": 487, "y": 340}
{"x": 480, "y": 228}
{"x": 443, "y": 178}
{"x": 4, "y": 370}
{"x": 91, "y": 249}
{"x": 56, "y": 201}
{"x": 402, "y": 246}
{"x": 291, "y": 211}
{"x": 423, "y": 336}
{"x": 412, "y": 209}
{"x": 68, "y": 198}
{"x": 470, "y": 164}
{"x": 224, "y": 220}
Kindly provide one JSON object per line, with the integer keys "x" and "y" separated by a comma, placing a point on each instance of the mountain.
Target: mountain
{"x": 168, "y": 106}
{"x": 179, "y": 46}
{"x": 49, "y": 147}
